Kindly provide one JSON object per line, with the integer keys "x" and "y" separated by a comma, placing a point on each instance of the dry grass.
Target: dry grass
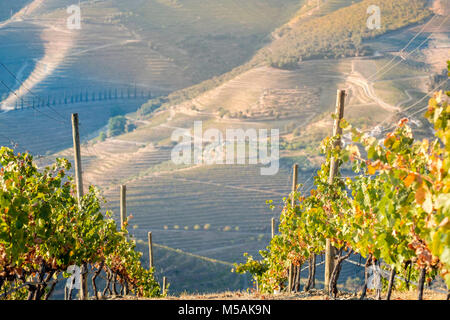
{"x": 311, "y": 295}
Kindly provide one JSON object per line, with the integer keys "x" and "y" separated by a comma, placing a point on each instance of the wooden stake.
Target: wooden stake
{"x": 294, "y": 182}
{"x": 298, "y": 276}
{"x": 420, "y": 286}
{"x": 273, "y": 227}
{"x": 150, "y": 250}
{"x": 290, "y": 278}
{"x": 294, "y": 188}
{"x": 164, "y": 286}
{"x": 123, "y": 206}
{"x": 337, "y": 131}
{"x": 391, "y": 283}
{"x": 79, "y": 182}
{"x": 123, "y": 216}
{"x": 77, "y": 157}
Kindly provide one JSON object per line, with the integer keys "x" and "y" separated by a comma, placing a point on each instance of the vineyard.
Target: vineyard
{"x": 368, "y": 213}
{"x": 44, "y": 230}
{"x": 394, "y": 211}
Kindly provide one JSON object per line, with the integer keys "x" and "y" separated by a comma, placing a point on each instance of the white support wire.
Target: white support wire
{"x": 403, "y": 49}
{"x": 408, "y": 108}
{"x": 393, "y": 66}
{"x": 317, "y": 264}
{"x": 23, "y": 85}
{"x": 420, "y": 110}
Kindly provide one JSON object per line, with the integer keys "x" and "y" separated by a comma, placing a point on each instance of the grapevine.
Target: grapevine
{"x": 43, "y": 231}
{"x": 395, "y": 208}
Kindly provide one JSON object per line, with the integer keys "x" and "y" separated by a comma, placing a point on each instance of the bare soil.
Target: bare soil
{"x": 313, "y": 294}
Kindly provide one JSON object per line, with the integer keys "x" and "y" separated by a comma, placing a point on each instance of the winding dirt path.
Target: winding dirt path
{"x": 357, "y": 79}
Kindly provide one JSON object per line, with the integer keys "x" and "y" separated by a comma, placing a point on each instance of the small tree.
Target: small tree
{"x": 116, "y": 125}
{"x": 102, "y": 136}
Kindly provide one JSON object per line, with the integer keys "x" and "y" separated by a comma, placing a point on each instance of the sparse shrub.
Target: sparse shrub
{"x": 287, "y": 63}
{"x": 223, "y": 112}
{"x": 152, "y": 105}
{"x": 102, "y": 136}
{"x": 116, "y": 125}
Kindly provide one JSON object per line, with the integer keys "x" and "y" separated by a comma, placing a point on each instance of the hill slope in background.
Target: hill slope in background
{"x": 9, "y": 8}
{"x": 155, "y": 45}
{"x": 319, "y": 33}
{"x": 250, "y": 54}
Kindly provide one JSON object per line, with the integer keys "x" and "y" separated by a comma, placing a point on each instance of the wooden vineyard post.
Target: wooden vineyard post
{"x": 273, "y": 227}
{"x": 150, "y": 250}
{"x": 77, "y": 157}
{"x": 294, "y": 182}
{"x": 290, "y": 277}
{"x": 123, "y": 206}
{"x": 337, "y": 131}
{"x": 164, "y": 285}
{"x": 391, "y": 283}
{"x": 420, "y": 286}
{"x": 79, "y": 182}
{"x": 123, "y": 215}
{"x": 294, "y": 188}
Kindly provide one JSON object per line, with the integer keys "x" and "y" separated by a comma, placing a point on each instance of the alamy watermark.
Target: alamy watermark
{"x": 374, "y": 20}
{"x": 74, "y": 281}
{"x": 74, "y": 20}
{"x": 213, "y": 147}
{"x": 374, "y": 279}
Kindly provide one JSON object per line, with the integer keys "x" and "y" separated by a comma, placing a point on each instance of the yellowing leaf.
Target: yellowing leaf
{"x": 420, "y": 195}
{"x": 371, "y": 170}
{"x": 409, "y": 179}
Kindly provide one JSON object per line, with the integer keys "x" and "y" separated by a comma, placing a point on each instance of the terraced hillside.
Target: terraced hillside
{"x": 210, "y": 212}
{"x": 120, "y": 47}
{"x": 10, "y": 8}
{"x": 152, "y": 44}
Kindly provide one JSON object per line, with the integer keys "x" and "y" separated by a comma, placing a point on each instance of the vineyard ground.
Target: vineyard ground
{"x": 312, "y": 295}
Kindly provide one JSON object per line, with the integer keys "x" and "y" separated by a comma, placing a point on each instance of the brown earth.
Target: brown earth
{"x": 311, "y": 295}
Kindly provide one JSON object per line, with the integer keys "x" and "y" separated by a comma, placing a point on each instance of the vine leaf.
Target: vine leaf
{"x": 420, "y": 195}
{"x": 409, "y": 179}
